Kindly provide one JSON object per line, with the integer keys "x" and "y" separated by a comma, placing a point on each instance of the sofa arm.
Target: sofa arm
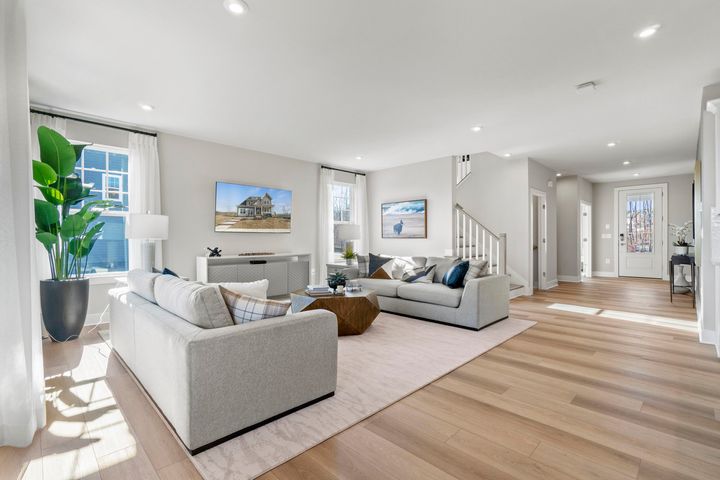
{"x": 245, "y": 374}
{"x": 485, "y": 300}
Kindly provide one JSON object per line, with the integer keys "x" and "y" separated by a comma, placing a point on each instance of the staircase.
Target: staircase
{"x": 475, "y": 241}
{"x": 463, "y": 167}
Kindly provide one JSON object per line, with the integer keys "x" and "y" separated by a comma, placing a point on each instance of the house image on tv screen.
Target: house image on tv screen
{"x": 256, "y": 207}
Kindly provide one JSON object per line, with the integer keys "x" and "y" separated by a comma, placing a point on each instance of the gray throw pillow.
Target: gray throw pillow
{"x": 363, "y": 266}
{"x": 199, "y": 304}
{"x": 442, "y": 265}
{"x": 478, "y": 268}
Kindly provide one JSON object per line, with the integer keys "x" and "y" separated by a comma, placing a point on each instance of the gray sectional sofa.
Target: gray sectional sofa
{"x": 479, "y": 303}
{"x": 214, "y": 383}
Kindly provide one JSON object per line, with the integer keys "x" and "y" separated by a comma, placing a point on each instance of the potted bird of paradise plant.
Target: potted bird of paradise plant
{"x": 65, "y": 224}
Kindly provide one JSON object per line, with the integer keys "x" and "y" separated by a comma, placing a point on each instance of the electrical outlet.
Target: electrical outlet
{"x": 607, "y": 261}
{"x": 607, "y": 226}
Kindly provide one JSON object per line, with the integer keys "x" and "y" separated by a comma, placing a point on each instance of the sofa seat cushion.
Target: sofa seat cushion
{"x": 199, "y": 304}
{"x": 434, "y": 293}
{"x": 384, "y": 288}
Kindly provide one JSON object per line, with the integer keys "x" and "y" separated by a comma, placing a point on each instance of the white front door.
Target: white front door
{"x": 640, "y": 232}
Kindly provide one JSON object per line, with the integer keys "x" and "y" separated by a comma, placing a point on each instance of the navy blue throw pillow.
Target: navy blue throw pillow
{"x": 455, "y": 276}
{"x": 167, "y": 271}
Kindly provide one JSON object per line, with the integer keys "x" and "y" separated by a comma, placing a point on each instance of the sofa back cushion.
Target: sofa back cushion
{"x": 199, "y": 304}
{"x": 244, "y": 308}
{"x": 443, "y": 264}
{"x": 142, "y": 283}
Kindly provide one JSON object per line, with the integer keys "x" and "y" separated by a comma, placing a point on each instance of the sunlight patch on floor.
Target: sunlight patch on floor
{"x": 656, "y": 320}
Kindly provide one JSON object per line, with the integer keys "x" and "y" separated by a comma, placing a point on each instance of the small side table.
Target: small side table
{"x": 682, "y": 260}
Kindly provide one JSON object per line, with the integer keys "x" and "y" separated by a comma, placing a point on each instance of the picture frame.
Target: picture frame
{"x": 405, "y": 219}
{"x": 242, "y": 208}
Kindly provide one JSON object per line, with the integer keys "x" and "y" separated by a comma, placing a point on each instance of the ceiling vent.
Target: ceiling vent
{"x": 587, "y": 87}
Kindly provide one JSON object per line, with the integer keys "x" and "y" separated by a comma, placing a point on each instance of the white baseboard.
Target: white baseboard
{"x": 550, "y": 284}
{"x": 707, "y": 336}
{"x": 518, "y": 292}
{"x": 604, "y": 274}
{"x": 568, "y": 278}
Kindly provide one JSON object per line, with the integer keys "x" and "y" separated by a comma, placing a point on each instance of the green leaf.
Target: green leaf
{"x": 52, "y": 195}
{"x": 46, "y": 216}
{"x": 79, "y": 149}
{"x": 71, "y": 188}
{"x": 73, "y": 226}
{"x": 43, "y": 173}
{"x": 47, "y": 239}
{"x": 56, "y": 152}
{"x": 94, "y": 231}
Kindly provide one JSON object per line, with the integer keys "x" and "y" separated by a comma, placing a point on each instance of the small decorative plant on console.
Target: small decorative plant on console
{"x": 335, "y": 280}
{"x": 349, "y": 254}
{"x": 680, "y": 232}
{"x": 65, "y": 224}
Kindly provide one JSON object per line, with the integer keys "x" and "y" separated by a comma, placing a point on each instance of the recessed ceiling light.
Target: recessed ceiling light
{"x": 477, "y": 128}
{"x": 612, "y": 145}
{"x": 236, "y": 7}
{"x": 647, "y": 32}
{"x": 147, "y": 107}
{"x": 636, "y": 174}
{"x": 358, "y": 157}
{"x": 507, "y": 155}
{"x": 626, "y": 162}
{"x": 558, "y": 174}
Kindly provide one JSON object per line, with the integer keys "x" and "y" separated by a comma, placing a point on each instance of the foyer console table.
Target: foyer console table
{"x": 286, "y": 272}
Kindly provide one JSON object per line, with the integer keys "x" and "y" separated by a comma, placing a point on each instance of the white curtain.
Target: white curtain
{"x": 22, "y": 406}
{"x": 362, "y": 246}
{"x": 38, "y": 120}
{"x": 143, "y": 188}
{"x": 325, "y": 225}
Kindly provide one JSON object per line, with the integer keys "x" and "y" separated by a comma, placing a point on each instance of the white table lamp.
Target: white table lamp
{"x": 148, "y": 228}
{"x": 347, "y": 232}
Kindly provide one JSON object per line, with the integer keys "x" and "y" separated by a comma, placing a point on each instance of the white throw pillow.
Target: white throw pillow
{"x": 257, "y": 289}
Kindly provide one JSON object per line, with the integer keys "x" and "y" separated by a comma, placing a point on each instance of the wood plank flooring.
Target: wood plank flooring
{"x": 594, "y": 390}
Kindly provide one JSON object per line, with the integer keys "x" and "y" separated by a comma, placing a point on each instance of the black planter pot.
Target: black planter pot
{"x": 64, "y": 307}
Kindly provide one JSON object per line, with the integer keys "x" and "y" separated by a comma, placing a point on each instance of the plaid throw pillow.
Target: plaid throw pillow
{"x": 244, "y": 309}
{"x": 362, "y": 266}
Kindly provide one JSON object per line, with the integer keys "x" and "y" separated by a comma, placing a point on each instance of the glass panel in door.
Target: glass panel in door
{"x": 640, "y": 222}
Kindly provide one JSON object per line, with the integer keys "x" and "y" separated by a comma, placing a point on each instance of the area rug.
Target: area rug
{"x": 393, "y": 358}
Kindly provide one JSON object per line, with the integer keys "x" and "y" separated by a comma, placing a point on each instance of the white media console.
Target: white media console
{"x": 286, "y": 272}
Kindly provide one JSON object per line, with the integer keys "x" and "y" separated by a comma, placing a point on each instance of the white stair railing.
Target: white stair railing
{"x": 474, "y": 241}
{"x": 463, "y": 167}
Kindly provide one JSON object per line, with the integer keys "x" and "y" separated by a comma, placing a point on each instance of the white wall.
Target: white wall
{"x": 431, "y": 180}
{"x": 497, "y": 194}
{"x": 679, "y": 212}
{"x": 539, "y": 177}
{"x": 568, "y": 201}
{"x": 188, "y": 171}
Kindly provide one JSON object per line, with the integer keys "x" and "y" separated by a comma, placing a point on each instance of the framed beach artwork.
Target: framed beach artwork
{"x": 406, "y": 219}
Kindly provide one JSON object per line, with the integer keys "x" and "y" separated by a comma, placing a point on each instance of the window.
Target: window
{"x": 107, "y": 169}
{"x": 342, "y": 202}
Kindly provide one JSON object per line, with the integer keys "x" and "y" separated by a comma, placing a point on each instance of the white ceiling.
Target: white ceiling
{"x": 393, "y": 81}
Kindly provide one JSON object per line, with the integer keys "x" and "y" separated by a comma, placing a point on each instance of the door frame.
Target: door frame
{"x": 542, "y": 248}
{"x": 663, "y": 225}
{"x": 587, "y": 273}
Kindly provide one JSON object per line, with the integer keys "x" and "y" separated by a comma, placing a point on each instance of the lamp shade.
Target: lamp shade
{"x": 142, "y": 226}
{"x": 348, "y": 231}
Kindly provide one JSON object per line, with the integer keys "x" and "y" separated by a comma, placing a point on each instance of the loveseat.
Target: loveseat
{"x": 479, "y": 303}
{"x": 214, "y": 383}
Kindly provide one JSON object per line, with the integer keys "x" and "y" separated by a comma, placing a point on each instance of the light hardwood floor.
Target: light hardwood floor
{"x": 595, "y": 390}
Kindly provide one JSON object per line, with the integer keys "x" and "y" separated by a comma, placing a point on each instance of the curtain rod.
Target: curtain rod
{"x": 91, "y": 122}
{"x": 341, "y": 170}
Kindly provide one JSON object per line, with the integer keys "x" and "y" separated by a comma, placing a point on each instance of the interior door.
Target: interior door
{"x": 585, "y": 245}
{"x": 640, "y": 232}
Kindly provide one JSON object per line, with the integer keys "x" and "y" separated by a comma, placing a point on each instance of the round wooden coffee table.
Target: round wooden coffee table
{"x": 355, "y": 311}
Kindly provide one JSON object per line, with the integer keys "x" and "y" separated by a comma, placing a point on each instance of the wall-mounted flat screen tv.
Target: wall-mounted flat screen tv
{"x": 248, "y": 208}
